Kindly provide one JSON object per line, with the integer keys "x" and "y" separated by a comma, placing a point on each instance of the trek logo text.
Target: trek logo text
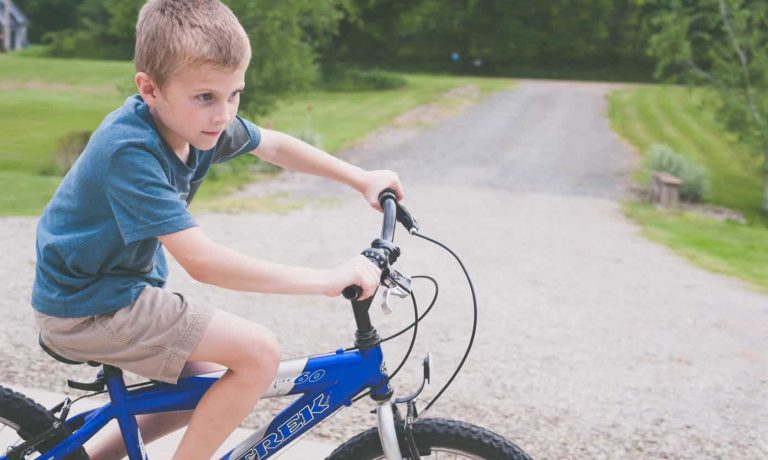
{"x": 290, "y": 427}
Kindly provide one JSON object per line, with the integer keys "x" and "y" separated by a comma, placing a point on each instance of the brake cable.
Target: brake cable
{"x": 423, "y": 315}
{"x": 415, "y": 326}
{"x": 474, "y": 320}
{"x": 419, "y": 318}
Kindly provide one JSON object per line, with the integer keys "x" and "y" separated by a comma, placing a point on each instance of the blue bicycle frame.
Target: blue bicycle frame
{"x": 326, "y": 383}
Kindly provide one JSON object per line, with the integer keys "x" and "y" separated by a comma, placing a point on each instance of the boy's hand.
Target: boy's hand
{"x": 374, "y": 182}
{"x": 357, "y": 271}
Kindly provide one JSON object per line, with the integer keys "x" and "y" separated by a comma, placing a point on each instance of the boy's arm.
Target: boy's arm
{"x": 293, "y": 154}
{"x": 212, "y": 263}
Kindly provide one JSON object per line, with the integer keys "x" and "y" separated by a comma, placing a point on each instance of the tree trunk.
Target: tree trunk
{"x": 7, "y": 27}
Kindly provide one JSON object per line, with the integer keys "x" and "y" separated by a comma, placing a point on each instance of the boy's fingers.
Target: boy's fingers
{"x": 370, "y": 275}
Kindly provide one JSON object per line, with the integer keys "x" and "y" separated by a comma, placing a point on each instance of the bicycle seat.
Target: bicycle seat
{"x": 45, "y": 346}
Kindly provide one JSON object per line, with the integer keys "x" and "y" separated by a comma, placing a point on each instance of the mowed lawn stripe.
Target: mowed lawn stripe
{"x": 677, "y": 117}
{"x": 737, "y": 182}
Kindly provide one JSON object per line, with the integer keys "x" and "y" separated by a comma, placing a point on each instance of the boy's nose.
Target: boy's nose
{"x": 221, "y": 116}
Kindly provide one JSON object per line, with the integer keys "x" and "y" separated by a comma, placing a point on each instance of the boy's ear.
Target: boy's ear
{"x": 148, "y": 90}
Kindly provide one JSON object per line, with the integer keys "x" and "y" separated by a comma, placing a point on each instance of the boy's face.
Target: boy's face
{"x": 195, "y": 105}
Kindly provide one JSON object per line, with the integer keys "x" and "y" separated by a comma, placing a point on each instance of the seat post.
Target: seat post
{"x": 121, "y": 411}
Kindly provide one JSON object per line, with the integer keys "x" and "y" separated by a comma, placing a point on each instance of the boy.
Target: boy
{"x": 98, "y": 286}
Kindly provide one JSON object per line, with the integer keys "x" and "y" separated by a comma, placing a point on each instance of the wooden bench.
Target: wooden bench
{"x": 665, "y": 189}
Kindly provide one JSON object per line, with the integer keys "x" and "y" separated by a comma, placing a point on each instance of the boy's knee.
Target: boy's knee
{"x": 269, "y": 349}
{"x": 262, "y": 354}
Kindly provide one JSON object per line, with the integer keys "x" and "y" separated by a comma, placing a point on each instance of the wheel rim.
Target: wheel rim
{"x": 442, "y": 453}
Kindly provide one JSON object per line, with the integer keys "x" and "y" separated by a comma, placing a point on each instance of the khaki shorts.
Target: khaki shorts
{"x": 153, "y": 337}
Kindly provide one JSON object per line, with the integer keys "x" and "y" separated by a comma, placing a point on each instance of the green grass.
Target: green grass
{"x": 33, "y": 120}
{"x": 103, "y": 75}
{"x": 677, "y": 117}
{"x": 724, "y": 247}
{"x": 25, "y": 194}
{"x": 42, "y": 99}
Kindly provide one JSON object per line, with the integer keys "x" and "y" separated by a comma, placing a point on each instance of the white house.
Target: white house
{"x": 18, "y": 27}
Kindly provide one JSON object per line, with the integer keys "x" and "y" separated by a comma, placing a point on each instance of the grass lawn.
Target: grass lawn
{"x": 77, "y": 72}
{"x": 675, "y": 116}
{"x": 45, "y": 98}
{"x": 724, "y": 247}
{"x": 25, "y": 194}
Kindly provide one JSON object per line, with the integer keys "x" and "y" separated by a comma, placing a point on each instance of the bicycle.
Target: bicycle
{"x": 326, "y": 383}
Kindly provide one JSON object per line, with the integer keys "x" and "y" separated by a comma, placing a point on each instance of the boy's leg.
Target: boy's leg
{"x": 251, "y": 354}
{"x": 108, "y": 444}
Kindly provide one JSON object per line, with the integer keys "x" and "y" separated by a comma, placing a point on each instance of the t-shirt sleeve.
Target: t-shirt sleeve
{"x": 241, "y": 136}
{"x": 144, "y": 202}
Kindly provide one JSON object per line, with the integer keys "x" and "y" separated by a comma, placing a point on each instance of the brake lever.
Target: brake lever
{"x": 406, "y": 219}
{"x": 397, "y": 279}
{"x": 397, "y": 291}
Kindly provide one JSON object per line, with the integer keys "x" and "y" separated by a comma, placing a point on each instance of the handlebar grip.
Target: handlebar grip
{"x": 352, "y": 292}
{"x": 387, "y": 194}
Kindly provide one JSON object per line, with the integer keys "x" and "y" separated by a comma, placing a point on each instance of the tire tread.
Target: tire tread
{"x": 436, "y": 432}
{"x": 31, "y": 417}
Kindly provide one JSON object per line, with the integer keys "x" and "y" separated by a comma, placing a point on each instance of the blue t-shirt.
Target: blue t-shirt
{"x": 97, "y": 245}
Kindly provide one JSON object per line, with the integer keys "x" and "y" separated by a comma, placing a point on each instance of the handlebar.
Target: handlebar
{"x": 380, "y": 256}
{"x": 382, "y": 252}
{"x": 388, "y": 202}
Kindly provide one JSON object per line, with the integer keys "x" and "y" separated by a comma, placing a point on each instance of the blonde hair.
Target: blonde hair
{"x": 174, "y": 34}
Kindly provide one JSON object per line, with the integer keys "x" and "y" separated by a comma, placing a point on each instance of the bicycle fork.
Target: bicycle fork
{"x": 388, "y": 431}
{"x": 389, "y": 418}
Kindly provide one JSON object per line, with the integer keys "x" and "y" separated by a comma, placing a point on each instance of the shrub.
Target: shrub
{"x": 695, "y": 177}
{"x": 353, "y": 79}
{"x": 35, "y": 51}
{"x": 71, "y": 145}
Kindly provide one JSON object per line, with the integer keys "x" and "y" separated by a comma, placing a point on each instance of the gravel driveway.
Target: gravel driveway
{"x": 592, "y": 343}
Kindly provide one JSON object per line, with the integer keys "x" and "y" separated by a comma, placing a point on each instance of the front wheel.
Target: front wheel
{"x": 436, "y": 438}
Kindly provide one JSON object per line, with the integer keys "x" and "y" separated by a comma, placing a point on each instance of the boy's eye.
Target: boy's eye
{"x": 205, "y": 97}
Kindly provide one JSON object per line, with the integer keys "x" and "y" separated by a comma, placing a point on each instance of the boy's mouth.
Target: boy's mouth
{"x": 212, "y": 133}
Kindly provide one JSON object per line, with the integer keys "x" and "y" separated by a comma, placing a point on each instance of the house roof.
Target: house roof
{"x": 17, "y": 16}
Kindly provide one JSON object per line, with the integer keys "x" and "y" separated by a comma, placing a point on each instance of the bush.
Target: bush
{"x": 35, "y": 51}
{"x": 352, "y": 79}
{"x": 71, "y": 145}
{"x": 695, "y": 177}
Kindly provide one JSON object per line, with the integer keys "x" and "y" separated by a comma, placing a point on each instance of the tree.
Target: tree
{"x": 501, "y": 34}
{"x": 49, "y": 16}
{"x": 723, "y": 45}
{"x": 285, "y": 36}
{"x": 105, "y": 30}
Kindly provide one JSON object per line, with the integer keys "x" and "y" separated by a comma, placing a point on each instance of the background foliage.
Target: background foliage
{"x": 492, "y": 36}
{"x": 489, "y": 36}
{"x": 723, "y": 45}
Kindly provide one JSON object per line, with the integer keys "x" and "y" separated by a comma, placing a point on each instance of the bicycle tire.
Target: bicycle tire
{"x": 27, "y": 418}
{"x": 436, "y": 435}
